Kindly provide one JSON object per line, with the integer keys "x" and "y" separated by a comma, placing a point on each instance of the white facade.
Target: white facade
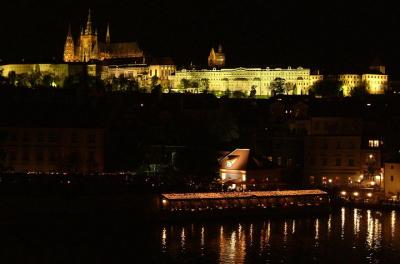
{"x": 243, "y": 79}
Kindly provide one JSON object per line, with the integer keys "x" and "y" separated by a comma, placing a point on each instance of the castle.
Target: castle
{"x": 216, "y": 59}
{"x": 89, "y": 48}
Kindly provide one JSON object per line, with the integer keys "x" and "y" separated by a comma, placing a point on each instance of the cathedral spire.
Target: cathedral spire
{"x": 69, "y": 31}
{"x": 108, "y": 39}
{"x": 88, "y": 30}
{"x": 69, "y": 55}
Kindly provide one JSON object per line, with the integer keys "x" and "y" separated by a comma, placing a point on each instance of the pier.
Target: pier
{"x": 236, "y": 203}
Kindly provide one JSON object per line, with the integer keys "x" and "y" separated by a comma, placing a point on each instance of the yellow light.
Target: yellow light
{"x": 244, "y": 177}
{"x": 355, "y": 193}
{"x": 372, "y": 183}
{"x": 369, "y": 194}
{"x": 164, "y": 201}
{"x": 343, "y": 193}
{"x": 371, "y": 156}
{"x": 223, "y": 176}
{"x": 330, "y": 180}
{"x": 224, "y": 195}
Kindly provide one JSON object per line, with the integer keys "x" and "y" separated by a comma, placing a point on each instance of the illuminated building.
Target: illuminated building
{"x": 241, "y": 171}
{"x": 332, "y": 150}
{"x": 243, "y": 79}
{"x": 337, "y": 153}
{"x": 392, "y": 180}
{"x": 233, "y": 168}
{"x": 216, "y": 59}
{"x": 162, "y": 68}
{"x": 59, "y": 71}
{"x": 89, "y": 48}
{"x": 375, "y": 80}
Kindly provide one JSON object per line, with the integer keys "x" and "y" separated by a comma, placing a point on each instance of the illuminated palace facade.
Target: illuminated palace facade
{"x": 243, "y": 79}
{"x": 375, "y": 80}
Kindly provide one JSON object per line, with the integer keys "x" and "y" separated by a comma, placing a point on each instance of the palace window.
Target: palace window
{"x": 373, "y": 143}
{"x": 338, "y": 162}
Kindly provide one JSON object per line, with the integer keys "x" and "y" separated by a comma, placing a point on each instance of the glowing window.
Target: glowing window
{"x": 373, "y": 143}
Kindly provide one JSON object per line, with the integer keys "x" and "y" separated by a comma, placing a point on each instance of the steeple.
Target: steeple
{"x": 108, "y": 39}
{"x": 69, "y": 31}
{"x": 88, "y": 30}
{"x": 69, "y": 55}
{"x": 220, "y": 48}
{"x": 212, "y": 54}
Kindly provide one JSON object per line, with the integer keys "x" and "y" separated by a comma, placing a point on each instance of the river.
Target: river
{"x": 345, "y": 236}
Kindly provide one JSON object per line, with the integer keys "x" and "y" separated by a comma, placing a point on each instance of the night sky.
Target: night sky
{"x": 326, "y": 35}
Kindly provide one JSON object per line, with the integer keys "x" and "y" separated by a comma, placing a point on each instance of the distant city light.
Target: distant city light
{"x": 343, "y": 193}
{"x": 356, "y": 194}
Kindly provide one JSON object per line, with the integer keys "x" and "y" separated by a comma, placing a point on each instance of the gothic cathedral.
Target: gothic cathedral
{"x": 88, "y": 48}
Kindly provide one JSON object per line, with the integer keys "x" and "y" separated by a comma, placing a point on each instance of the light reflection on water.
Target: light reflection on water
{"x": 347, "y": 236}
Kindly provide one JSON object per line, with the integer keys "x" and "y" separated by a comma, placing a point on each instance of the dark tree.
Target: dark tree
{"x": 227, "y": 93}
{"x": 360, "y": 90}
{"x": 185, "y": 83}
{"x": 157, "y": 89}
{"x": 154, "y": 81}
{"x": 253, "y": 91}
{"x": 238, "y": 94}
{"x": 278, "y": 86}
{"x": 327, "y": 88}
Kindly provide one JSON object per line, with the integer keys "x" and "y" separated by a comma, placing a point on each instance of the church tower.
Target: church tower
{"x": 108, "y": 38}
{"x": 211, "y": 58}
{"x": 216, "y": 59}
{"x": 88, "y": 43}
{"x": 69, "y": 54}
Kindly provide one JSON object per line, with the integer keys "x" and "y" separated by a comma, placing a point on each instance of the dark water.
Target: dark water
{"x": 345, "y": 236}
